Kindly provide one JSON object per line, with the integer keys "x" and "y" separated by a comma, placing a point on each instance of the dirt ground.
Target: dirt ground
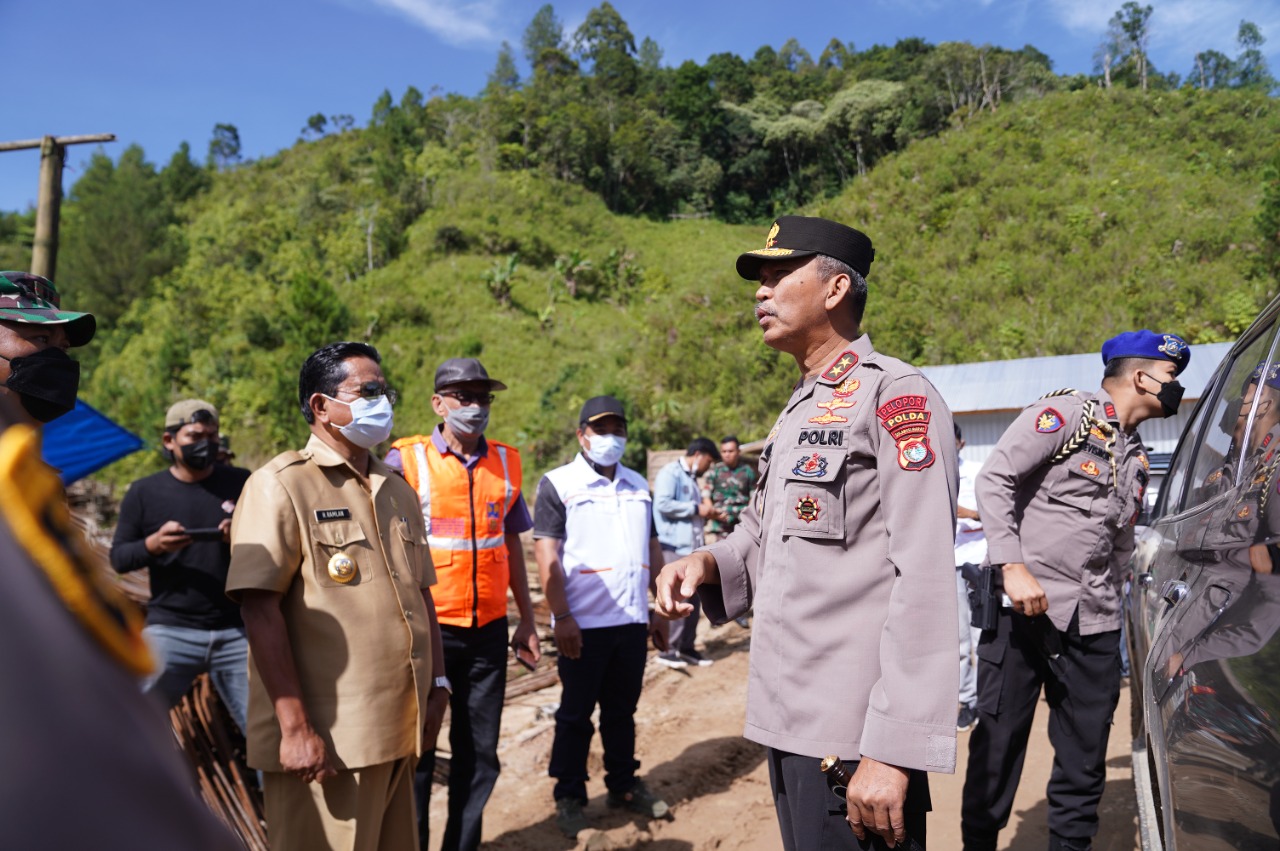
{"x": 689, "y": 726}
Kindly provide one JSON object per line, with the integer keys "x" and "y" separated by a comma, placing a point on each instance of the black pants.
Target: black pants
{"x": 1082, "y": 687}
{"x": 610, "y": 672}
{"x": 475, "y": 660}
{"x": 812, "y": 817}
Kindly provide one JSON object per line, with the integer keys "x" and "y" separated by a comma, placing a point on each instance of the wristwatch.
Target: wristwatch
{"x": 442, "y": 682}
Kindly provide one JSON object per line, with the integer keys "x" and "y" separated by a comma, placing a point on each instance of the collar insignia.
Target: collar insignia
{"x": 838, "y": 369}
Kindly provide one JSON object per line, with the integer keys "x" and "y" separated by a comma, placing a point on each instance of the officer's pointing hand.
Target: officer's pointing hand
{"x": 679, "y": 580}
{"x": 1024, "y": 591}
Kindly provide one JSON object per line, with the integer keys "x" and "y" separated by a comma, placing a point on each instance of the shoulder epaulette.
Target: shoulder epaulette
{"x": 1087, "y": 423}
{"x": 285, "y": 459}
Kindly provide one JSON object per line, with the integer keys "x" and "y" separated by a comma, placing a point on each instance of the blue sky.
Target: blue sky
{"x": 158, "y": 72}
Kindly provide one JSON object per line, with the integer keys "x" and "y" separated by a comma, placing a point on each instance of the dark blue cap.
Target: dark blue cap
{"x": 1150, "y": 345}
{"x": 1272, "y": 373}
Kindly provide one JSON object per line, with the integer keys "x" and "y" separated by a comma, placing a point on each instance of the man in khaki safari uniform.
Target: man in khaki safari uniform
{"x": 329, "y": 560}
{"x": 845, "y": 554}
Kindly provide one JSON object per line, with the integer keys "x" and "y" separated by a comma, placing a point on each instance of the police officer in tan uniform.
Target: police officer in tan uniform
{"x": 845, "y": 554}
{"x": 1059, "y": 497}
{"x": 329, "y": 560}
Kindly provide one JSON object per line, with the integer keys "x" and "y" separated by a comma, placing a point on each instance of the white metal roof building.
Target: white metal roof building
{"x": 986, "y": 397}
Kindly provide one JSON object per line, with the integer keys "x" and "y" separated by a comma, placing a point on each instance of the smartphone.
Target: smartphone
{"x": 213, "y": 533}
{"x": 523, "y": 656}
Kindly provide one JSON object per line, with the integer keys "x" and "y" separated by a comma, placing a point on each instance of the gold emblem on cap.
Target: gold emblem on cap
{"x": 342, "y": 568}
{"x": 772, "y": 237}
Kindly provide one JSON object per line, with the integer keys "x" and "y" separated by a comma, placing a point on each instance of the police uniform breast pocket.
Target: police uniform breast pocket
{"x": 1084, "y": 478}
{"x": 813, "y": 493}
{"x": 341, "y": 554}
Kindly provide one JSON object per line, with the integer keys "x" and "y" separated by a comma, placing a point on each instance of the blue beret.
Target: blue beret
{"x": 1148, "y": 344}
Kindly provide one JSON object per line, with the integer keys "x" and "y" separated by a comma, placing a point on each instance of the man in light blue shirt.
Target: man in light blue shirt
{"x": 679, "y": 510}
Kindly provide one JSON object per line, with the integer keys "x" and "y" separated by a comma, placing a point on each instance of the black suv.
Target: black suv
{"x": 1203, "y": 610}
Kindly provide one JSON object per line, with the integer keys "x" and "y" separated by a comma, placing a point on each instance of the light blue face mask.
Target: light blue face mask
{"x": 469, "y": 420}
{"x": 605, "y": 449}
{"x": 371, "y": 421}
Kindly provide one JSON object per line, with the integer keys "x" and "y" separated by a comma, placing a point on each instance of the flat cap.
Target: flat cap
{"x": 1148, "y": 344}
{"x": 599, "y": 407}
{"x": 802, "y": 236}
{"x": 184, "y": 412}
{"x": 462, "y": 370}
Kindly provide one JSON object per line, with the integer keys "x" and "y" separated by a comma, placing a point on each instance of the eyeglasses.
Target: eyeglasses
{"x": 465, "y": 398}
{"x": 372, "y": 390}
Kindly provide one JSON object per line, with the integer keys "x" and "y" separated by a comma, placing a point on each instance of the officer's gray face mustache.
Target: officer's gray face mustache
{"x": 764, "y": 309}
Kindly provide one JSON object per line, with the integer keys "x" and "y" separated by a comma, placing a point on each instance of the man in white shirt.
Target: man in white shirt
{"x": 596, "y": 547}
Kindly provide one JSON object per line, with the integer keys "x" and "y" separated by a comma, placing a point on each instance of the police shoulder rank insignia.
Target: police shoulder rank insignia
{"x": 1110, "y": 410}
{"x": 807, "y": 508}
{"x": 1266, "y": 441}
{"x": 1090, "y": 469}
{"x": 342, "y": 568}
{"x": 1048, "y": 421}
{"x": 831, "y": 406}
{"x": 811, "y": 467}
{"x": 841, "y": 366}
{"x": 906, "y": 418}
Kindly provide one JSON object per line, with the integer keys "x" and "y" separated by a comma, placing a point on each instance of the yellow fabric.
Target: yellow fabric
{"x": 31, "y": 498}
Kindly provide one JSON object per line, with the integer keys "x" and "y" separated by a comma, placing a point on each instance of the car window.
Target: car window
{"x": 1225, "y": 425}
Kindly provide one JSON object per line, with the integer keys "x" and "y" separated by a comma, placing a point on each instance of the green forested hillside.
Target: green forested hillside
{"x": 1042, "y": 228}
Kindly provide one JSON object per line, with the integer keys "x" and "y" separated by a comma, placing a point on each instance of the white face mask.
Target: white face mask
{"x": 371, "y": 421}
{"x": 605, "y": 449}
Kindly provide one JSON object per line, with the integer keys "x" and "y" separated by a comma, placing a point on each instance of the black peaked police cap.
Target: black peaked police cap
{"x": 802, "y": 236}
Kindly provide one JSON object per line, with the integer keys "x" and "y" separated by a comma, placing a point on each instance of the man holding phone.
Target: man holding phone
{"x": 177, "y": 523}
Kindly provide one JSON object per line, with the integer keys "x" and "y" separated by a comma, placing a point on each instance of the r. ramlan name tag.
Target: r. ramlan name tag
{"x": 323, "y": 515}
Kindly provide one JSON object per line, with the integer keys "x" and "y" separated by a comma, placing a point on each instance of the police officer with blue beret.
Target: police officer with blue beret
{"x": 1059, "y": 497}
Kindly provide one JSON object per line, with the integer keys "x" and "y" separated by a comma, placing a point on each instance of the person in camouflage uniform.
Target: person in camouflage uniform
{"x": 35, "y": 333}
{"x": 731, "y": 482}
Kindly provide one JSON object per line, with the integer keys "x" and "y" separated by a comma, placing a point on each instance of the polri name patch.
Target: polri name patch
{"x": 325, "y": 515}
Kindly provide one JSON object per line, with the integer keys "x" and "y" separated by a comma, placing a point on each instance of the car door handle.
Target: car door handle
{"x": 1146, "y": 580}
{"x": 1174, "y": 592}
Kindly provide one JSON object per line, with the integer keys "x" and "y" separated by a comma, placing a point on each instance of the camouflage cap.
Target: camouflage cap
{"x": 29, "y": 298}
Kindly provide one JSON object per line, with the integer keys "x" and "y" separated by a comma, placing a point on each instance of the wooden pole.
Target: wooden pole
{"x": 44, "y": 253}
{"x": 53, "y": 155}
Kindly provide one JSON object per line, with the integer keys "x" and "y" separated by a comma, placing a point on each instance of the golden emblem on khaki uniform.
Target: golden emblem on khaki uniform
{"x": 830, "y": 416}
{"x": 342, "y": 568}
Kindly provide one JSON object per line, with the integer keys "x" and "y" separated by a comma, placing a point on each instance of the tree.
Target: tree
{"x": 1133, "y": 21}
{"x": 224, "y": 147}
{"x": 504, "y": 75}
{"x": 867, "y": 114}
{"x": 316, "y": 125}
{"x": 835, "y": 56}
{"x": 182, "y": 179}
{"x": 545, "y": 32}
{"x": 650, "y": 55}
{"x": 1213, "y": 70}
{"x": 605, "y": 41}
{"x": 1250, "y": 66}
{"x": 116, "y": 237}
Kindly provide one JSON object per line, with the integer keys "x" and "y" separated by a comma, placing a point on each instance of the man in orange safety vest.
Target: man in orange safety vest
{"x": 469, "y": 491}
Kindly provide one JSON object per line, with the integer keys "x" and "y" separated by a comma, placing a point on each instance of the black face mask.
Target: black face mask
{"x": 199, "y": 455}
{"x": 46, "y": 382}
{"x": 1170, "y": 396}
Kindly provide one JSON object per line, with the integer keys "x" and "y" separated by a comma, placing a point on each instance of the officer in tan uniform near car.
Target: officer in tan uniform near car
{"x": 1059, "y": 497}
{"x": 329, "y": 560}
{"x": 845, "y": 553}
